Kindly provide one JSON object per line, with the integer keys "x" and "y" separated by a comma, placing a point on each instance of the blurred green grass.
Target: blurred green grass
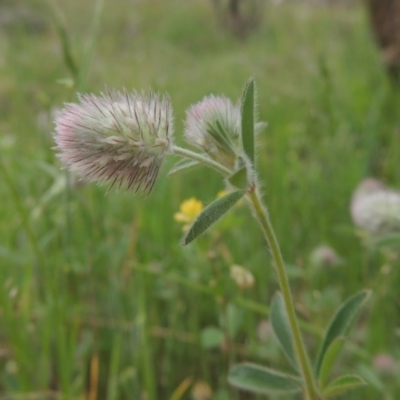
{"x": 94, "y": 280}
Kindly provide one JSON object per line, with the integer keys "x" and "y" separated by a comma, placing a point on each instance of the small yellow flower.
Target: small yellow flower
{"x": 189, "y": 210}
{"x": 243, "y": 277}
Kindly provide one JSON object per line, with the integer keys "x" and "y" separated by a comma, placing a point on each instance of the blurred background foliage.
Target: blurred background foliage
{"x": 98, "y": 300}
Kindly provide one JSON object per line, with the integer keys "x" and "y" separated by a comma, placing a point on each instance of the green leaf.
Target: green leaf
{"x": 257, "y": 379}
{"x": 211, "y": 214}
{"x": 211, "y": 337}
{"x": 343, "y": 384}
{"x": 182, "y": 166}
{"x": 341, "y": 322}
{"x": 281, "y": 327}
{"x": 239, "y": 179}
{"x": 329, "y": 359}
{"x": 248, "y": 119}
{"x": 371, "y": 377}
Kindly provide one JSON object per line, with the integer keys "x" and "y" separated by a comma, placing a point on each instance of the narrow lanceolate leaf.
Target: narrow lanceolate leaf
{"x": 248, "y": 119}
{"x": 343, "y": 384}
{"x": 341, "y": 322}
{"x": 239, "y": 179}
{"x": 329, "y": 359}
{"x": 281, "y": 327}
{"x": 183, "y": 166}
{"x": 211, "y": 214}
{"x": 257, "y": 379}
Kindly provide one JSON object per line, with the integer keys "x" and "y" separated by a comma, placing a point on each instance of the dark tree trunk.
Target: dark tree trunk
{"x": 385, "y": 20}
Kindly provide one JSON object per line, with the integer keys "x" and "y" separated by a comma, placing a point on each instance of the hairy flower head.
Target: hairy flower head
{"x": 119, "y": 138}
{"x": 214, "y": 125}
{"x": 376, "y": 209}
{"x": 189, "y": 210}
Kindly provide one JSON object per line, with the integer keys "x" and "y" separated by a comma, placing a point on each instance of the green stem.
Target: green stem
{"x": 262, "y": 217}
{"x": 191, "y": 155}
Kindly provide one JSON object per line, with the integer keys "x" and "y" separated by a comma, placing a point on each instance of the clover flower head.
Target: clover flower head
{"x": 118, "y": 137}
{"x": 189, "y": 210}
{"x": 375, "y": 208}
{"x": 214, "y": 126}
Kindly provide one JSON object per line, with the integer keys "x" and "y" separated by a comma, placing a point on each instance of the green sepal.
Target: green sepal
{"x": 281, "y": 327}
{"x": 328, "y": 361}
{"x": 341, "y": 322}
{"x": 211, "y": 214}
{"x": 239, "y": 179}
{"x": 262, "y": 380}
{"x": 248, "y": 119}
{"x": 183, "y": 166}
{"x": 221, "y": 137}
{"x": 342, "y": 384}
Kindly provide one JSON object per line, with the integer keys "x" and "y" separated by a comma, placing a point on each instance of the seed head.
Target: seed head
{"x": 119, "y": 138}
{"x": 213, "y": 125}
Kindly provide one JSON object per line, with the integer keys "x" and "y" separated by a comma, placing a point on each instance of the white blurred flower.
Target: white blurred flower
{"x": 375, "y": 208}
{"x": 243, "y": 278}
{"x": 324, "y": 256}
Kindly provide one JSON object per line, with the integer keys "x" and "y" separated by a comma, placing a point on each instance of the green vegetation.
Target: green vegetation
{"x": 98, "y": 299}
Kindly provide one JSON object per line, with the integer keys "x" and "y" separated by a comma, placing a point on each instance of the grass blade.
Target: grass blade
{"x": 248, "y": 119}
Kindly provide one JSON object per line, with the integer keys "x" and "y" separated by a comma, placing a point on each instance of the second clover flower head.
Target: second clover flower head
{"x": 214, "y": 126}
{"x": 118, "y": 137}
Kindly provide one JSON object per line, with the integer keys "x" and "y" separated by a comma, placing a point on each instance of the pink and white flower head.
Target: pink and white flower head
{"x": 375, "y": 208}
{"x": 117, "y": 137}
{"x": 214, "y": 126}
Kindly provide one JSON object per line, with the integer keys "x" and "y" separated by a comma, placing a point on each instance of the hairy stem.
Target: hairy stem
{"x": 191, "y": 155}
{"x": 302, "y": 358}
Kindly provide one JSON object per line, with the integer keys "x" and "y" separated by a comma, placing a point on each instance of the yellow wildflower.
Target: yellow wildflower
{"x": 189, "y": 210}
